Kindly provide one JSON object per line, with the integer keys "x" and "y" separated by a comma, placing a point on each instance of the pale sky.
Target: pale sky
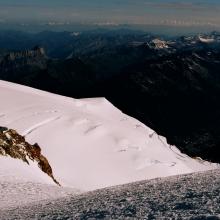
{"x": 167, "y": 12}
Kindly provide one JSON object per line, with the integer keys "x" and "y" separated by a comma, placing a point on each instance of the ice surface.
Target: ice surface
{"x": 192, "y": 196}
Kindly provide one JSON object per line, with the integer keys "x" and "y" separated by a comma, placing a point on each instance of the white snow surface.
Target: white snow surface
{"x": 89, "y": 143}
{"x": 21, "y": 184}
{"x": 206, "y": 40}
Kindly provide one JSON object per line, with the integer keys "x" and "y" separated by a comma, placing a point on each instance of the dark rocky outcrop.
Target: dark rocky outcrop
{"x": 14, "y": 145}
{"x": 35, "y": 52}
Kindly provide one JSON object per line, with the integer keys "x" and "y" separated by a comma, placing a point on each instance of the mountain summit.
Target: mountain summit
{"x": 36, "y": 52}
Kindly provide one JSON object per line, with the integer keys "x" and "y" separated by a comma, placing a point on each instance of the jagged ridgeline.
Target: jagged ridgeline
{"x": 14, "y": 145}
{"x": 35, "y": 52}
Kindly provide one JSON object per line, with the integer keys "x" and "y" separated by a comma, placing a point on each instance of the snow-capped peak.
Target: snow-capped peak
{"x": 75, "y": 34}
{"x": 158, "y": 44}
{"x": 206, "y": 39}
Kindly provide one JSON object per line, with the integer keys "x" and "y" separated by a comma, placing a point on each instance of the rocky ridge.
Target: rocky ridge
{"x": 35, "y": 52}
{"x": 14, "y": 145}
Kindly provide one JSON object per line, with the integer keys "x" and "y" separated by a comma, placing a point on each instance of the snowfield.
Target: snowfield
{"x": 206, "y": 40}
{"x": 21, "y": 184}
{"x": 89, "y": 143}
{"x": 192, "y": 196}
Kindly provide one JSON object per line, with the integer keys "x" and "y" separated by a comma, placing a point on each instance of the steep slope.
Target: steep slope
{"x": 25, "y": 174}
{"x": 14, "y": 145}
{"x": 90, "y": 144}
{"x": 177, "y": 95}
{"x": 22, "y": 184}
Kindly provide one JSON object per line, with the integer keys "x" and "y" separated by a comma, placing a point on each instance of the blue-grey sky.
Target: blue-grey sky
{"x": 162, "y": 12}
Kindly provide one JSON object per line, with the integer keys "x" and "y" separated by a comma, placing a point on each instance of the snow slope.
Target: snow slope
{"x": 21, "y": 184}
{"x": 89, "y": 143}
{"x": 206, "y": 40}
{"x": 11, "y": 169}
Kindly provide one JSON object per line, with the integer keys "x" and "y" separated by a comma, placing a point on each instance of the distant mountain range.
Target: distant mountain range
{"x": 170, "y": 84}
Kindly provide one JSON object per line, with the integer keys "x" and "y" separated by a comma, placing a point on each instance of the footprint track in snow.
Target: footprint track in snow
{"x": 147, "y": 162}
{"x": 31, "y": 115}
{"x": 38, "y": 125}
{"x": 92, "y": 129}
{"x": 124, "y": 145}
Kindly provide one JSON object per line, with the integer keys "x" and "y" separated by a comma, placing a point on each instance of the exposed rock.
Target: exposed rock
{"x": 14, "y": 145}
{"x": 158, "y": 44}
{"x": 3, "y": 129}
{"x": 35, "y": 52}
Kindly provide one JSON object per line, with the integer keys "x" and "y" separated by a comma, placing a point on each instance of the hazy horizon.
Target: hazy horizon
{"x": 165, "y": 13}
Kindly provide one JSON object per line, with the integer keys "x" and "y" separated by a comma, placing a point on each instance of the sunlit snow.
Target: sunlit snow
{"x": 89, "y": 143}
